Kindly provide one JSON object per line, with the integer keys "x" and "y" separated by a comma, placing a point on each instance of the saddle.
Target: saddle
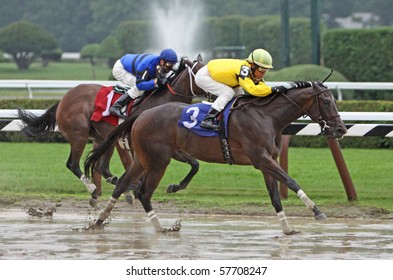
{"x": 192, "y": 116}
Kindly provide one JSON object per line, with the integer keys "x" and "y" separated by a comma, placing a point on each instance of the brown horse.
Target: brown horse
{"x": 73, "y": 112}
{"x": 254, "y": 129}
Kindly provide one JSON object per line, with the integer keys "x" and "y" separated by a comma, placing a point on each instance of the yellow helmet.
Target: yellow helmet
{"x": 261, "y": 58}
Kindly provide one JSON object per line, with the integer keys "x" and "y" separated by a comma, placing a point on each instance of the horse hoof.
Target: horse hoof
{"x": 129, "y": 197}
{"x": 176, "y": 227}
{"x": 320, "y": 217}
{"x": 172, "y": 188}
{"x": 292, "y": 232}
{"x": 112, "y": 180}
{"x": 93, "y": 202}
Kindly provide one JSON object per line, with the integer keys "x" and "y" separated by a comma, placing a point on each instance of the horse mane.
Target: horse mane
{"x": 263, "y": 101}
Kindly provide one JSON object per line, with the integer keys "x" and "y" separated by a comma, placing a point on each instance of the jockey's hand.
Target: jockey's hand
{"x": 161, "y": 81}
{"x": 279, "y": 89}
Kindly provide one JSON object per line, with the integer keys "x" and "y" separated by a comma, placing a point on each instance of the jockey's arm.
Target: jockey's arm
{"x": 144, "y": 82}
{"x": 260, "y": 89}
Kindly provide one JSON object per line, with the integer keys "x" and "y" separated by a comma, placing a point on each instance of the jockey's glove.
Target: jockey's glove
{"x": 279, "y": 89}
{"x": 161, "y": 81}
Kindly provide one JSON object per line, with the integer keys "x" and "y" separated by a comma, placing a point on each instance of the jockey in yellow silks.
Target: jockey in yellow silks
{"x": 227, "y": 78}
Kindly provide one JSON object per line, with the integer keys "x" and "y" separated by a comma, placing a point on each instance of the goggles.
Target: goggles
{"x": 167, "y": 66}
{"x": 262, "y": 69}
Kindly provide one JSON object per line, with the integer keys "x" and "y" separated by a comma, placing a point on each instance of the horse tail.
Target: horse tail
{"x": 94, "y": 156}
{"x": 38, "y": 126}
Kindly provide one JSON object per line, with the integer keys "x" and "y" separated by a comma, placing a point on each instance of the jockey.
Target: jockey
{"x": 227, "y": 78}
{"x": 142, "y": 72}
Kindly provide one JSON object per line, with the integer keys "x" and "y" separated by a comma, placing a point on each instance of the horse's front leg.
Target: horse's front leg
{"x": 271, "y": 185}
{"x": 151, "y": 214}
{"x": 272, "y": 168}
{"x": 121, "y": 186}
{"x": 145, "y": 193}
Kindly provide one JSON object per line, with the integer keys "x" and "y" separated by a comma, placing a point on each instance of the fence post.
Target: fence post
{"x": 342, "y": 169}
{"x": 284, "y": 163}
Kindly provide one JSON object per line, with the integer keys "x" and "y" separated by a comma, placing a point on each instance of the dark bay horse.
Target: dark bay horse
{"x": 254, "y": 134}
{"x": 72, "y": 116}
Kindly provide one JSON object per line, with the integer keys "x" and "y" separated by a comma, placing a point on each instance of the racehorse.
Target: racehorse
{"x": 254, "y": 134}
{"x": 73, "y": 112}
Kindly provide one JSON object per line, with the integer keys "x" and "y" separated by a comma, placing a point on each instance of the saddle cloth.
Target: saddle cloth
{"x": 192, "y": 116}
{"x": 105, "y": 98}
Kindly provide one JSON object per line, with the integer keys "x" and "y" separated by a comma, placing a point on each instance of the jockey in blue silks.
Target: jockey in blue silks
{"x": 141, "y": 72}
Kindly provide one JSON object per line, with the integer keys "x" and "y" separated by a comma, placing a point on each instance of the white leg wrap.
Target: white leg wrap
{"x": 108, "y": 209}
{"x": 309, "y": 204}
{"x": 89, "y": 185}
{"x": 282, "y": 219}
{"x": 156, "y": 223}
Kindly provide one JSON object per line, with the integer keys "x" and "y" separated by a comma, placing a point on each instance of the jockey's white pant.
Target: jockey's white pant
{"x": 122, "y": 75}
{"x": 225, "y": 93}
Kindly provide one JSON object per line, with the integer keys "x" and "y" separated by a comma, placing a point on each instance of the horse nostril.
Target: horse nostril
{"x": 342, "y": 131}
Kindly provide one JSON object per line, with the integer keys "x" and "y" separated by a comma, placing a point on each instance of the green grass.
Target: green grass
{"x": 39, "y": 169}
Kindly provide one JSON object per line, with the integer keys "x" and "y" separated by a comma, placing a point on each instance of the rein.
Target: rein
{"x": 191, "y": 75}
{"x": 318, "y": 119}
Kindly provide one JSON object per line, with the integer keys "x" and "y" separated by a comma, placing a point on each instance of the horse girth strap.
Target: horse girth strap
{"x": 224, "y": 144}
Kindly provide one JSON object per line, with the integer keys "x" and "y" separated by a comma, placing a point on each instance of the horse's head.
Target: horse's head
{"x": 184, "y": 81}
{"x": 325, "y": 113}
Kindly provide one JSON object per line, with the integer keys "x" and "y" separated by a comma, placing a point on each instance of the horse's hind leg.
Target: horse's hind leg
{"x": 73, "y": 165}
{"x": 194, "y": 169}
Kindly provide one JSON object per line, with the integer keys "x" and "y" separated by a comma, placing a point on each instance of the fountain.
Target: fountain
{"x": 177, "y": 25}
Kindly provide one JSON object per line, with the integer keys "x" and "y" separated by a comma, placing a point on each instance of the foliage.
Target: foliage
{"x": 78, "y": 23}
{"x": 110, "y": 50}
{"x": 80, "y": 70}
{"x": 131, "y": 36}
{"x": 361, "y": 55}
{"x": 89, "y": 51}
{"x": 25, "y": 42}
{"x": 308, "y": 72}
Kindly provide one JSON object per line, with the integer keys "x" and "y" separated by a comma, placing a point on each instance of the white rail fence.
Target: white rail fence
{"x": 9, "y": 122}
{"x": 39, "y": 85}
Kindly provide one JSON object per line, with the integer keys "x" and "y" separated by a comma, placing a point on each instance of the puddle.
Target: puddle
{"x": 131, "y": 236}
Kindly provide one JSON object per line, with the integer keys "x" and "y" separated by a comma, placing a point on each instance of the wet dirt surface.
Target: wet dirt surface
{"x": 209, "y": 237}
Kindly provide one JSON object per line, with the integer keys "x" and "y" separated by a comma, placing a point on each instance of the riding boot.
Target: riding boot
{"x": 209, "y": 121}
{"x": 120, "y": 103}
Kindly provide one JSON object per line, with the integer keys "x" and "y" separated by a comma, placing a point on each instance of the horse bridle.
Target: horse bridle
{"x": 191, "y": 75}
{"x": 319, "y": 118}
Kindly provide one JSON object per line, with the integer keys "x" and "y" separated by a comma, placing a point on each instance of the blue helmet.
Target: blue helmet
{"x": 168, "y": 55}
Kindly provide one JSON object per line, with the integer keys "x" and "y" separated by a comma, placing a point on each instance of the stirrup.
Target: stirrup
{"x": 117, "y": 112}
{"x": 209, "y": 125}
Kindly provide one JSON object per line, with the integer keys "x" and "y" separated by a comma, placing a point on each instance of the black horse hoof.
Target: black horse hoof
{"x": 320, "y": 217}
{"x": 318, "y": 214}
{"x": 292, "y": 232}
{"x": 172, "y": 188}
{"x": 93, "y": 202}
{"x": 112, "y": 180}
{"x": 129, "y": 197}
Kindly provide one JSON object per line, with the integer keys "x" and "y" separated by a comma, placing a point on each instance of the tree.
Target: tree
{"x": 89, "y": 51}
{"x": 110, "y": 50}
{"x": 25, "y": 42}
